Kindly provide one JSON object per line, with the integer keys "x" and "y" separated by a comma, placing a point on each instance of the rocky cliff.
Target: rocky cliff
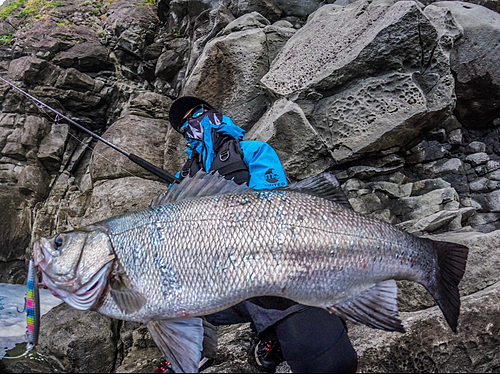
{"x": 399, "y": 99}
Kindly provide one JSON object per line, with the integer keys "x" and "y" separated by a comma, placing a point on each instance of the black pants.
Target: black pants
{"x": 312, "y": 340}
{"x": 315, "y": 341}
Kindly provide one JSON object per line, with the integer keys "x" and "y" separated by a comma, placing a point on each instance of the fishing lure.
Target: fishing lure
{"x": 32, "y": 308}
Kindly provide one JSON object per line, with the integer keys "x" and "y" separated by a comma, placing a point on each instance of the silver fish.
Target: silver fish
{"x": 209, "y": 244}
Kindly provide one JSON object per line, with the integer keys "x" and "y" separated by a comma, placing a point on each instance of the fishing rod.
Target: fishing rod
{"x": 136, "y": 159}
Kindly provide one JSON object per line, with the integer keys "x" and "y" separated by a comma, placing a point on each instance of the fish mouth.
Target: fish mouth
{"x": 40, "y": 255}
{"x": 86, "y": 296}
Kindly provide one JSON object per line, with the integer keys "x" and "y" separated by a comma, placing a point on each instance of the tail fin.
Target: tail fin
{"x": 452, "y": 258}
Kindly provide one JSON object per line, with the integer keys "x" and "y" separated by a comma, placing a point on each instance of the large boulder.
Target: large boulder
{"x": 301, "y": 150}
{"x": 474, "y": 59}
{"x": 142, "y": 136}
{"x": 228, "y": 72}
{"x": 393, "y": 42}
{"x": 78, "y": 341}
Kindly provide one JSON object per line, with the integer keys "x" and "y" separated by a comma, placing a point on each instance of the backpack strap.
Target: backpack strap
{"x": 229, "y": 162}
{"x": 191, "y": 166}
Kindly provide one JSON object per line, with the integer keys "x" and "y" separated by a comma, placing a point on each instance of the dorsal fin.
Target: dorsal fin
{"x": 201, "y": 184}
{"x": 323, "y": 185}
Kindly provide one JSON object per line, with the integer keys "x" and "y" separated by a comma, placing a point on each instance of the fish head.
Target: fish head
{"x": 76, "y": 265}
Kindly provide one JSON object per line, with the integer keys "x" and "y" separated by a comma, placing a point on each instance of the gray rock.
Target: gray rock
{"x": 416, "y": 207}
{"x": 85, "y": 57}
{"x": 455, "y": 137}
{"x": 75, "y": 80}
{"x": 480, "y": 26}
{"x": 299, "y": 8}
{"x": 277, "y": 35}
{"x": 357, "y": 122}
{"x": 392, "y": 190}
{"x": 268, "y": 8}
{"x": 117, "y": 196}
{"x": 475, "y": 59}
{"x": 429, "y": 344}
{"x": 366, "y": 204}
{"x": 52, "y": 146}
{"x": 33, "y": 70}
{"x": 477, "y": 147}
{"x": 138, "y": 135}
{"x": 245, "y": 22}
{"x": 227, "y": 75}
{"x": 172, "y": 60}
{"x": 80, "y": 341}
{"x": 340, "y": 43}
{"x": 14, "y": 234}
{"x": 298, "y": 145}
{"x": 476, "y": 159}
{"x": 489, "y": 202}
{"x": 424, "y": 186}
{"x": 437, "y": 221}
{"x": 483, "y": 263}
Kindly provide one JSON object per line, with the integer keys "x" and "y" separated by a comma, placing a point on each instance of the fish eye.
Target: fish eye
{"x": 59, "y": 241}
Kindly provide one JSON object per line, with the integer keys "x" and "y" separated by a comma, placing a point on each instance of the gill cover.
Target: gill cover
{"x": 76, "y": 265}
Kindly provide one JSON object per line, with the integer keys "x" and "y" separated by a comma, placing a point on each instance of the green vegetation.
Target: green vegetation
{"x": 149, "y": 2}
{"x": 6, "y": 39}
{"x": 6, "y": 9}
{"x": 94, "y": 12}
{"x": 64, "y": 23}
{"x": 31, "y": 8}
{"x": 177, "y": 33}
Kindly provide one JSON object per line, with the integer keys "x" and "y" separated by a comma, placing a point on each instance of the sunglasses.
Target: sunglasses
{"x": 196, "y": 112}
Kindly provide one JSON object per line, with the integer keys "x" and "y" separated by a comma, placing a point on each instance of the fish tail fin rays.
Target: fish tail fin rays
{"x": 180, "y": 341}
{"x": 376, "y": 307}
{"x": 452, "y": 259}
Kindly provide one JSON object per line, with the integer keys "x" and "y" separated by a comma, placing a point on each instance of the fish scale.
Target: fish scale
{"x": 204, "y": 269}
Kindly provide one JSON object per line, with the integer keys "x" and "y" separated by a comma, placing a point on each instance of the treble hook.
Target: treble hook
{"x": 24, "y": 310}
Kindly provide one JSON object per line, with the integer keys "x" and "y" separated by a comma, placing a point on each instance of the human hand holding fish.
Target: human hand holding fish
{"x": 209, "y": 244}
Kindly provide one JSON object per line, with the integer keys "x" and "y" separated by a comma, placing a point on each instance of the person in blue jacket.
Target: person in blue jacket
{"x": 309, "y": 339}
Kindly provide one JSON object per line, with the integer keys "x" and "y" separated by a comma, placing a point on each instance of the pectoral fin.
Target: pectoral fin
{"x": 181, "y": 342}
{"x": 376, "y": 307}
{"x": 127, "y": 299}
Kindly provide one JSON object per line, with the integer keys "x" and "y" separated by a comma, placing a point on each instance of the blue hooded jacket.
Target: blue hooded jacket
{"x": 266, "y": 171}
